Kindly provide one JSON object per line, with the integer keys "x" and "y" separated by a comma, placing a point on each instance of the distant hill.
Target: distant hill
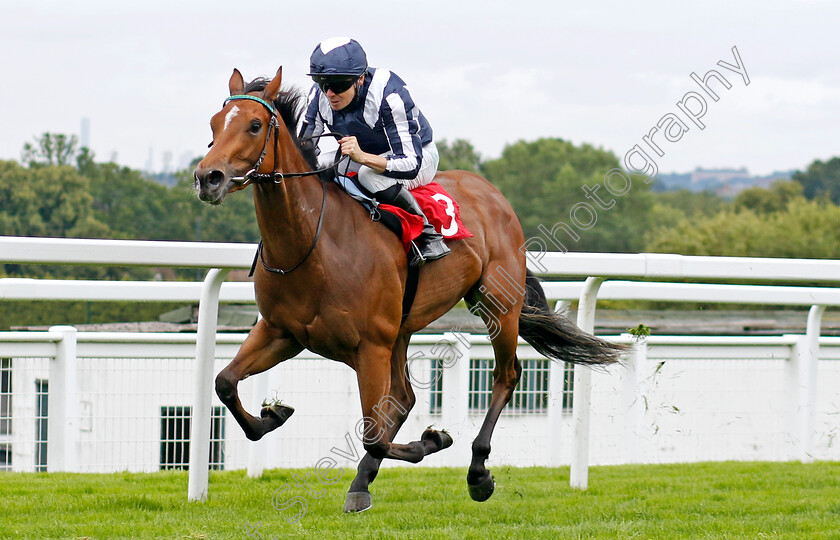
{"x": 725, "y": 183}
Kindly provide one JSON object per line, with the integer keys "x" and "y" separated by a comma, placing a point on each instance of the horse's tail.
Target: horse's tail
{"x": 554, "y": 336}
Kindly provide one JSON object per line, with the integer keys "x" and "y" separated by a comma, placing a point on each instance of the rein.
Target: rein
{"x": 252, "y": 176}
{"x": 259, "y": 254}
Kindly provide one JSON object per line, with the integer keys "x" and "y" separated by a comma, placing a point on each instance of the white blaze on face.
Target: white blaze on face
{"x": 231, "y": 115}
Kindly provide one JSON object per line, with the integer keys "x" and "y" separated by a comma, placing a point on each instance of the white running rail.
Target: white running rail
{"x": 596, "y": 267}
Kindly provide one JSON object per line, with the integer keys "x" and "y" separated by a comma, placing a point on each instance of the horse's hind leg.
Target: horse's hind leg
{"x": 264, "y": 348}
{"x": 500, "y": 310}
{"x": 505, "y": 378}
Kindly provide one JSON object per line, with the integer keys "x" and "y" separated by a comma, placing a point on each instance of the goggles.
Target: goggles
{"x": 338, "y": 84}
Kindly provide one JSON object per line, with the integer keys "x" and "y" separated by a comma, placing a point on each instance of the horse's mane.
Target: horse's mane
{"x": 289, "y": 105}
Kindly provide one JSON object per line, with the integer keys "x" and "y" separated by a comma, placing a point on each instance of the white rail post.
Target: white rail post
{"x": 205, "y": 355}
{"x": 807, "y": 357}
{"x": 258, "y": 449}
{"x": 579, "y": 472}
{"x": 455, "y": 403}
{"x": 633, "y": 403}
{"x": 63, "y": 410}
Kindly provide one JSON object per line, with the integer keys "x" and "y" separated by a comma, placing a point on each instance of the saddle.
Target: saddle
{"x": 439, "y": 206}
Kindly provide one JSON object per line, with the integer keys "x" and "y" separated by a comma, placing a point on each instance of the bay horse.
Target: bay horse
{"x": 332, "y": 281}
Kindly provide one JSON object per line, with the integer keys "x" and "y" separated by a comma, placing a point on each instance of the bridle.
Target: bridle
{"x": 254, "y": 177}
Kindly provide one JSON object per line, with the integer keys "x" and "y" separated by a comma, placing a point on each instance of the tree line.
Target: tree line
{"x": 59, "y": 190}
{"x": 545, "y": 179}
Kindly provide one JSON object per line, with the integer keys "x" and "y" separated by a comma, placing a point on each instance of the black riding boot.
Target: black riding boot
{"x": 430, "y": 243}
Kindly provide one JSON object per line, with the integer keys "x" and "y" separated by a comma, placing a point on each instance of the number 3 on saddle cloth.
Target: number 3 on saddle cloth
{"x": 441, "y": 210}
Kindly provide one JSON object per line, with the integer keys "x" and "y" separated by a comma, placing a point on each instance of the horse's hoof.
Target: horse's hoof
{"x": 483, "y": 489}
{"x": 358, "y": 501}
{"x": 276, "y": 415}
{"x": 441, "y": 439}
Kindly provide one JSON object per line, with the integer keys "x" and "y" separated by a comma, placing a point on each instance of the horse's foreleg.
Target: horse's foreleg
{"x": 401, "y": 391}
{"x": 264, "y": 348}
{"x": 385, "y": 408}
{"x": 358, "y": 497}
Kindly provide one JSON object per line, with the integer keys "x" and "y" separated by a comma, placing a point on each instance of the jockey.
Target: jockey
{"x": 386, "y": 137}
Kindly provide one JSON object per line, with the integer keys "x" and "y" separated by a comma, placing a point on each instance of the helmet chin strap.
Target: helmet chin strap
{"x": 357, "y": 86}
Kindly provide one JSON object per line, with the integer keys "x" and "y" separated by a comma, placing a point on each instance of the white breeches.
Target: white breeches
{"x": 375, "y": 182}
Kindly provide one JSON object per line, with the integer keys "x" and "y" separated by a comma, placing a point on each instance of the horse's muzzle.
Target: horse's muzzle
{"x": 210, "y": 185}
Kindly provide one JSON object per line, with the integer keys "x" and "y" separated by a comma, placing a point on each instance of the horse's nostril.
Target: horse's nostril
{"x": 214, "y": 178}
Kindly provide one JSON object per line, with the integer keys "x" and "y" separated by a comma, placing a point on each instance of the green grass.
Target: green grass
{"x": 707, "y": 500}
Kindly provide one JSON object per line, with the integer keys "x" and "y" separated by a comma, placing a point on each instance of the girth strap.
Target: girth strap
{"x": 410, "y": 291}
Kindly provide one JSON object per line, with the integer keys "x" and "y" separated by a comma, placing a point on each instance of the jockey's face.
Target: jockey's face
{"x": 342, "y": 100}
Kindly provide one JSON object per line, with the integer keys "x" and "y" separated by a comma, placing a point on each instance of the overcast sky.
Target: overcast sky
{"x": 149, "y": 75}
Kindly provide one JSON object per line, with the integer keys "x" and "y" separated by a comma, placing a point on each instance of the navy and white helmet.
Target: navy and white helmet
{"x": 338, "y": 56}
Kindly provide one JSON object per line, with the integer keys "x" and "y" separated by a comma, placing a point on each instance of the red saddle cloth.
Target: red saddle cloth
{"x": 441, "y": 209}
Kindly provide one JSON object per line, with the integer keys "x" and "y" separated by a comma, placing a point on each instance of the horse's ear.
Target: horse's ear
{"x": 272, "y": 90}
{"x": 237, "y": 83}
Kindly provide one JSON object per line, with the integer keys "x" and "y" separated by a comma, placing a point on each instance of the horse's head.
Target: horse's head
{"x": 242, "y": 140}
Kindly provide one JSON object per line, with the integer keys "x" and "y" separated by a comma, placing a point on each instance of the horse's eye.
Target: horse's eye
{"x": 210, "y": 145}
{"x": 256, "y": 126}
